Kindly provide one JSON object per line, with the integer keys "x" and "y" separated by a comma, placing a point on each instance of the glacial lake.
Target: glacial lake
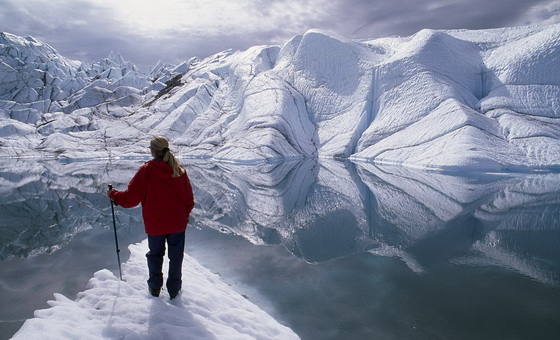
{"x": 331, "y": 249}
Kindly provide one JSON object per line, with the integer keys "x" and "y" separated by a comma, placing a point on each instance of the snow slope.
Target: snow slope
{"x": 485, "y": 100}
{"x": 113, "y": 309}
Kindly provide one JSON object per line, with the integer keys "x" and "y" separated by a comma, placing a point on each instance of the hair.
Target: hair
{"x": 160, "y": 149}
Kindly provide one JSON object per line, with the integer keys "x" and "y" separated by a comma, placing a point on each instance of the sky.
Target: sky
{"x": 145, "y": 31}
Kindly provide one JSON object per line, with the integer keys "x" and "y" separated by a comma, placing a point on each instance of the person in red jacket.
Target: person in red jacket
{"x": 164, "y": 189}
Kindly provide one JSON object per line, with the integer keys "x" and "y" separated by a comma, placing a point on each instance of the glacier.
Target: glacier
{"x": 484, "y": 100}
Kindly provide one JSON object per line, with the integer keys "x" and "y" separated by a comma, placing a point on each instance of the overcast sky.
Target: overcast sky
{"x": 145, "y": 31}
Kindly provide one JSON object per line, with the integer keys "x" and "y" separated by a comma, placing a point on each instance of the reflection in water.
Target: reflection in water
{"x": 319, "y": 211}
{"x": 45, "y": 204}
{"x": 322, "y": 212}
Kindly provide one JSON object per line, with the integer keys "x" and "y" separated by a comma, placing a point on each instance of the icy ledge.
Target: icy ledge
{"x": 113, "y": 309}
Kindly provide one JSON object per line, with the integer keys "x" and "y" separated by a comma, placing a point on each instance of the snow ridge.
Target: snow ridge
{"x": 209, "y": 309}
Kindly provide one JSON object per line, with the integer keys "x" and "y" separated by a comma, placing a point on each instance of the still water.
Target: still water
{"x": 334, "y": 250}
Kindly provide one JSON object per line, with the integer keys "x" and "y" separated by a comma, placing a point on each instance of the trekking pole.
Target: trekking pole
{"x": 115, "y": 229}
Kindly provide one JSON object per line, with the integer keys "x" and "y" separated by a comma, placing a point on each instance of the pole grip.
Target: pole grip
{"x": 110, "y": 186}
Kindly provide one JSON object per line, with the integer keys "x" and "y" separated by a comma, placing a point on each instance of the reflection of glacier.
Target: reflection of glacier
{"x": 321, "y": 211}
{"x": 44, "y": 204}
{"x": 512, "y": 221}
{"x": 523, "y": 216}
{"x": 318, "y": 211}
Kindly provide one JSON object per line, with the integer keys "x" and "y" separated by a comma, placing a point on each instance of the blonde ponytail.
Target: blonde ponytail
{"x": 160, "y": 149}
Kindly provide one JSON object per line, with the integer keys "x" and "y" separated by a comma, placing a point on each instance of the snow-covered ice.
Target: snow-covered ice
{"x": 109, "y": 308}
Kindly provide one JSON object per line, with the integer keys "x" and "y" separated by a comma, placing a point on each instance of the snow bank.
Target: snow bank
{"x": 207, "y": 308}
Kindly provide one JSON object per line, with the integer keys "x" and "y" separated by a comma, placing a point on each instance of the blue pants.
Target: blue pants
{"x": 176, "y": 244}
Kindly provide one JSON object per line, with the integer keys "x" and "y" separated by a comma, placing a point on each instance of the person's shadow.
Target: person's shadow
{"x": 172, "y": 320}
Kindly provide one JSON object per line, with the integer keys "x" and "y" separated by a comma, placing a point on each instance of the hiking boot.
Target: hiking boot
{"x": 154, "y": 291}
{"x": 173, "y": 295}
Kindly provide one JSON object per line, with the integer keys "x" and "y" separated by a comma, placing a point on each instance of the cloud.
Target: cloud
{"x": 548, "y": 13}
{"x": 73, "y": 27}
{"x": 173, "y": 30}
{"x": 371, "y": 19}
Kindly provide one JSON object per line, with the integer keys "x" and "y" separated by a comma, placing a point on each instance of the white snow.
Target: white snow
{"x": 109, "y": 308}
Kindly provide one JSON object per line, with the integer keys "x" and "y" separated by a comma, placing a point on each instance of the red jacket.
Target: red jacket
{"x": 166, "y": 201}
